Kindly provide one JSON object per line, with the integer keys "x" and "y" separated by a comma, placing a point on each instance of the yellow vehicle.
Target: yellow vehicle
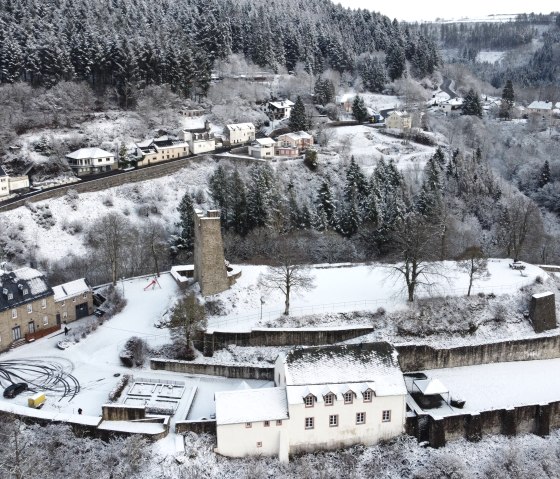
{"x": 37, "y": 400}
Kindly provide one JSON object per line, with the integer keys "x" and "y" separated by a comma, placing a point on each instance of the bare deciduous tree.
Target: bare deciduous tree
{"x": 288, "y": 274}
{"x": 187, "y": 320}
{"x": 474, "y": 263}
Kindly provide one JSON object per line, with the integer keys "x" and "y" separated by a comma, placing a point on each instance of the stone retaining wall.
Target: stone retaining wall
{"x": 225, "y": 370}
{"x": 281, "y": 337}
{"x": 198, "y": 427}
{"x": 530, "y": 419}
{"x": 122, "y": 412}
{"x": 421, "y": 357}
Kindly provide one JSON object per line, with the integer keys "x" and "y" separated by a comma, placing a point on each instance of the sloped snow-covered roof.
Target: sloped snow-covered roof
{"x": 347, "y": 365}
{"x": 71, "y": 289}
{"x": 22, "y": 286}
{"x": 240, "y": 126}
{"x": 281, "y": 104}
{"x": 398, "y": 113}
{"x": 297, "y": 135}
{"x": 264, "y": 142}
{"x": 430, "y": 387}
{"x": 2, "y": 172}
{"x": 540, "y": 105}
{"x": 251, "y": 405}
{"x": 84, "y": 153}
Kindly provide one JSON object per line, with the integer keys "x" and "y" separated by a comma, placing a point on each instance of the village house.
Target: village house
{"x": 73, "y": 300}
{"x": 325, "y": 398}
{"x": 543, "y": 108}
{"x": 399, "y": 119}
{"x": 279, "y": 110}
{"x": 454, "y": 104}
{"x": 345, "y": 102}
{"x": 4, "y": 183}
{"x": 239, "y": 133}
{"x": 192, "y": 112}
{"x": 27, "y": 306}
{"x": 200, "y": 140}
{"x": 12, "y": 184}
{"x": 293, "y": 144}
{"x": 262, "y": 148}
{"x": 160, "y": 149}
{"x": 86, "y": 161}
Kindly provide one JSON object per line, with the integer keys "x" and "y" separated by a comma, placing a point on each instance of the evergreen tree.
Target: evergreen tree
{"x": 395, "y": 61}
{"x": 326, "y": 208}
{"x": 508, "y": 99}
{"x": 185, "y": 241}
{"x": 359, "y": 109}
{"x": 373, "y": 73}
{"x": 298, "y": 117}
{"x": 323, "y": 92}
{"x": 430, "y": 199}
{"x": 219, "y": 190}
{"x": 544, "y": 177}
{"x": 472, "y": 105}
{"x": 237, "y": 194}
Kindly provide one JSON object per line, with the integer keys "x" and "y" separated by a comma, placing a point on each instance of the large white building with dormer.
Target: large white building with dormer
{"x": 91, "y": 160}
{"x": 325, "y": 398}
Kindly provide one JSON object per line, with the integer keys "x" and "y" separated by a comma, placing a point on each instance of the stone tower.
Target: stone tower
{"x": 209, "y": 262}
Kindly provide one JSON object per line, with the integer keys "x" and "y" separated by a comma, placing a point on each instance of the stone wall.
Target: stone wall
{"x": 198, "y": 427}
{"x": 281, "y": 337}
{"x": 530, "y": 419}
{"x": 121, "y": 412}
{"x": 421, "y": 357}
{"x": 225, "y": 370}
{"x": 209, "y": 262}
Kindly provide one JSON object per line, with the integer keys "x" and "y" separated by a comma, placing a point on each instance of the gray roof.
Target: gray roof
{"x": 22, "y": 286}
{"x": 351, "y": 363}
{"x": 2, "y": 172}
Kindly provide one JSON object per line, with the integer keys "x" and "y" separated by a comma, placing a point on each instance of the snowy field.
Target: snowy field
{"x": 490, "y": 57}
{"x": 498, "y": 386}
{"x": 344, "y": 288}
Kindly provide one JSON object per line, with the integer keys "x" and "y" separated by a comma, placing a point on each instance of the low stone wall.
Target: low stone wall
{"x": 225, "y": 370}
{"x": 421, "y": 357}
{"x": 122, "y": 412}
{"x": 281, "y": 337}
{"x": 550, "y": 268}
{"x": 198, "y": 427}
{"x": 531, "y": 419}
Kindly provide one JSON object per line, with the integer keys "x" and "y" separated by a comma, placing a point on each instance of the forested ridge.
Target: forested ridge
{"x": 128, "y": 44}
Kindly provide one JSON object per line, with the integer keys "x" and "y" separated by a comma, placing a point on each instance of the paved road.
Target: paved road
{"x": 445, "y": 87}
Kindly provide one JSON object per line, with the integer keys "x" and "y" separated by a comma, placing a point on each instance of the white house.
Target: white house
{"x": 453, "y": 104}
{"x": 262, "y": 148}
{"x": 336, "y": 396}
{"x": 240, "y": 133}
{"x": 293, "y": 144}
{"x": 398, "y": 119}
{"x": 200, "y": 140}
{"x": 160, "y": 149}
{"x": 90, "y": 160}
{"x": 543, "y": 108}
{"x": 280, "y": 110}
{"x": 10, "y": 184}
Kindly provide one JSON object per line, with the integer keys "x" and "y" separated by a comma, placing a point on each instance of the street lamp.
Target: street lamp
{"x": 262, "y": 302}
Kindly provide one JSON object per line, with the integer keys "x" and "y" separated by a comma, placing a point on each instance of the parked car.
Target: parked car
{"x": 14, "y": 389}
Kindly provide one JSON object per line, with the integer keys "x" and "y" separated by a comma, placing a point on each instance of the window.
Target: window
{"x": 368, "y": 395}
{"x": 348, "y": 397}
{"x": 309, "y": 422}
{"x": 14, "y": 313}
{"x": 329, "y": 399}
{"x": 259, "y": 444}
{"x": 31, "y": 327}
{"x": 43, "y": 303}
{"x": 10, "y": 296}
{"x": 386, "y": 416}
{"x": 333, "y": 420}
{"x": 25, "y": 291}
{"x": 45, "y": 320}
{"x": 309, "y": 400}
{"x": 64, "y": 314}
{"x": 63, "y": 303}
{"x": 266, "y": 423}
{"x": 85, "y": 295}
{"x": 279, "y": 422}
{"x": 29, "y": 308}
{"x": 360, "y": 418}
{"x": 248, "y": 425}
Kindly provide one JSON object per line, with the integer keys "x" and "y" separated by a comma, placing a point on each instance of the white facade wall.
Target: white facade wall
{"x": 237, "y": 440}
{"x": 261, "y": 151}
{"x": 202, "y": 146}
{"x": 347, "y": 433}
{"x": 241, "y": 135}
{"x": 18, "y": 182}
{"x": 4, "y": 186}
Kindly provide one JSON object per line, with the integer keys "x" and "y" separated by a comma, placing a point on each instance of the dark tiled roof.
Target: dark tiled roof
{"x": 22, "y": 286}
{"x": 2, "y": 172}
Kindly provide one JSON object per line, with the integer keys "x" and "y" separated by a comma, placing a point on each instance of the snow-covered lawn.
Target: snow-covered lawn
{"x": 343, "y": 288}
{"x": 501, "y": 385}
{"x": 490, "y": 56}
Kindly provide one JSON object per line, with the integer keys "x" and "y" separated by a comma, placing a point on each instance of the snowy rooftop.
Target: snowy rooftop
{"x": 240, "y": 126}
{"x": 398, "y": 113}
{"x": 429, "y": 387}
{"x": 22, "y": 286}
{"x": 251, "y": 405}
{"x": 541, "y": 105}
{"x": 2, "y": 172}
{"x": 297, "y": 135}
{"x": 352, "y": 363}
{"x": 264, "y": 142}
{"x": 84, "y": 153}
{"x": 543, "y": 295}
{"x": 282, "y": 104}
{"x": 68, "y": 290}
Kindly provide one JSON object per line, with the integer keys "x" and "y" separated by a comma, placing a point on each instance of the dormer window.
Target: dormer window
{"x": 368, "y": 395}
{"x": 348, "y": 397}
{"x": 25, "y": 292}
{"x": 329, "y": 399}
{"x": 10, "y": 296}
{"x": 309, "y": 400}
